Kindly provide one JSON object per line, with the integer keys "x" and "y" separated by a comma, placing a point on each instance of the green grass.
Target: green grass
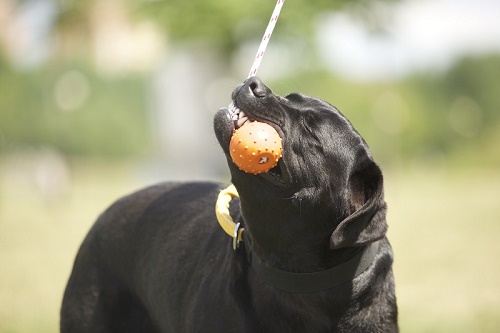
{"x": 39, "y": 240}
{"x": 443, "y": 227}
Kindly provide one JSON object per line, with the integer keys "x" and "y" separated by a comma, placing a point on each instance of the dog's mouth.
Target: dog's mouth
{"x": 253, "y": 101}
{"x": 237, "y": 118}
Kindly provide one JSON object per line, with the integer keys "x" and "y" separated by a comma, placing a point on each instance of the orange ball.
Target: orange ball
{"x": 255, "y": 147}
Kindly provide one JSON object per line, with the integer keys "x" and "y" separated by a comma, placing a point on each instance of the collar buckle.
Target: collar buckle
{"x": 236, "y": 239}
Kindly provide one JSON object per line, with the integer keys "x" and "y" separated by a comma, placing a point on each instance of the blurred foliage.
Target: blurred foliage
{"x": 461, "y": 107}
{"x": 73, "y": 109}
{"x": 225, "y": 23}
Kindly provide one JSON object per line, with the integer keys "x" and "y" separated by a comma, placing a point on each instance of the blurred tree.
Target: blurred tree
{"x": 479, "y": 79}
{"x": 225, "y": 23}
{"x": 229, "y": 22}
{"x": 45, "y": 107}
{"x": 455, "y": 111}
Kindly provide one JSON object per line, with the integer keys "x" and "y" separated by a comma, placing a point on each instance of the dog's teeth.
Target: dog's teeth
{"x": 236, "y": 115}
{"x": 241, "y": 121}
{"x": 233, "y": 110}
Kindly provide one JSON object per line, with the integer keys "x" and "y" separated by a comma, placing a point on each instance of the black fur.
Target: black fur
{"x": 157, "y": 260}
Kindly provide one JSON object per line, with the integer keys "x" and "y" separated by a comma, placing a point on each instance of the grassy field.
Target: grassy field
{"x": 444, "y": 228}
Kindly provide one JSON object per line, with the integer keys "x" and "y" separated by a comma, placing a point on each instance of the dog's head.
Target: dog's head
{"x": 326, "y": 187}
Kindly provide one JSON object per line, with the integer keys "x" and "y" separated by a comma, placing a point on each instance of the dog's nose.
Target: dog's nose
{"x": 252, "y": 87}
{"x": 257, "y": 87}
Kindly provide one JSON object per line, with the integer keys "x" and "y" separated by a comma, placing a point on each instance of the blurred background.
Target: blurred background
{"x": 101, "y": 98}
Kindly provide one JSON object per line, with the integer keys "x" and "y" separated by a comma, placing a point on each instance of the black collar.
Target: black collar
{"x": 311, "y": 282}
{"x": 284, "y": 280}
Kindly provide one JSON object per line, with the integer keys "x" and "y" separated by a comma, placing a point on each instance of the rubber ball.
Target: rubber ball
{"x": 255, "y": 147}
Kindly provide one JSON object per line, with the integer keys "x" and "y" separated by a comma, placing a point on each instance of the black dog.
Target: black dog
{"x": 314, "y": 256}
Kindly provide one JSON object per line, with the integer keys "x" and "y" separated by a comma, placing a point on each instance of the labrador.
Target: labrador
{"x": 314, "y": 256}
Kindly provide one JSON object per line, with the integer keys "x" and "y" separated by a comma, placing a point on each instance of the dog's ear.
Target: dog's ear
{"x": 367, "y": 220}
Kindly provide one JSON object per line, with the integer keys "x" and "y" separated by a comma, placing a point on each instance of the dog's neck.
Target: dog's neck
{"x": 296, "y": 252}
{"x": 314, "y": 281}
{"x": 293, "y": 263}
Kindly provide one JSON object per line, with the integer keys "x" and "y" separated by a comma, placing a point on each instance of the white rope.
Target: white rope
{"x": 265, "y": 39}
